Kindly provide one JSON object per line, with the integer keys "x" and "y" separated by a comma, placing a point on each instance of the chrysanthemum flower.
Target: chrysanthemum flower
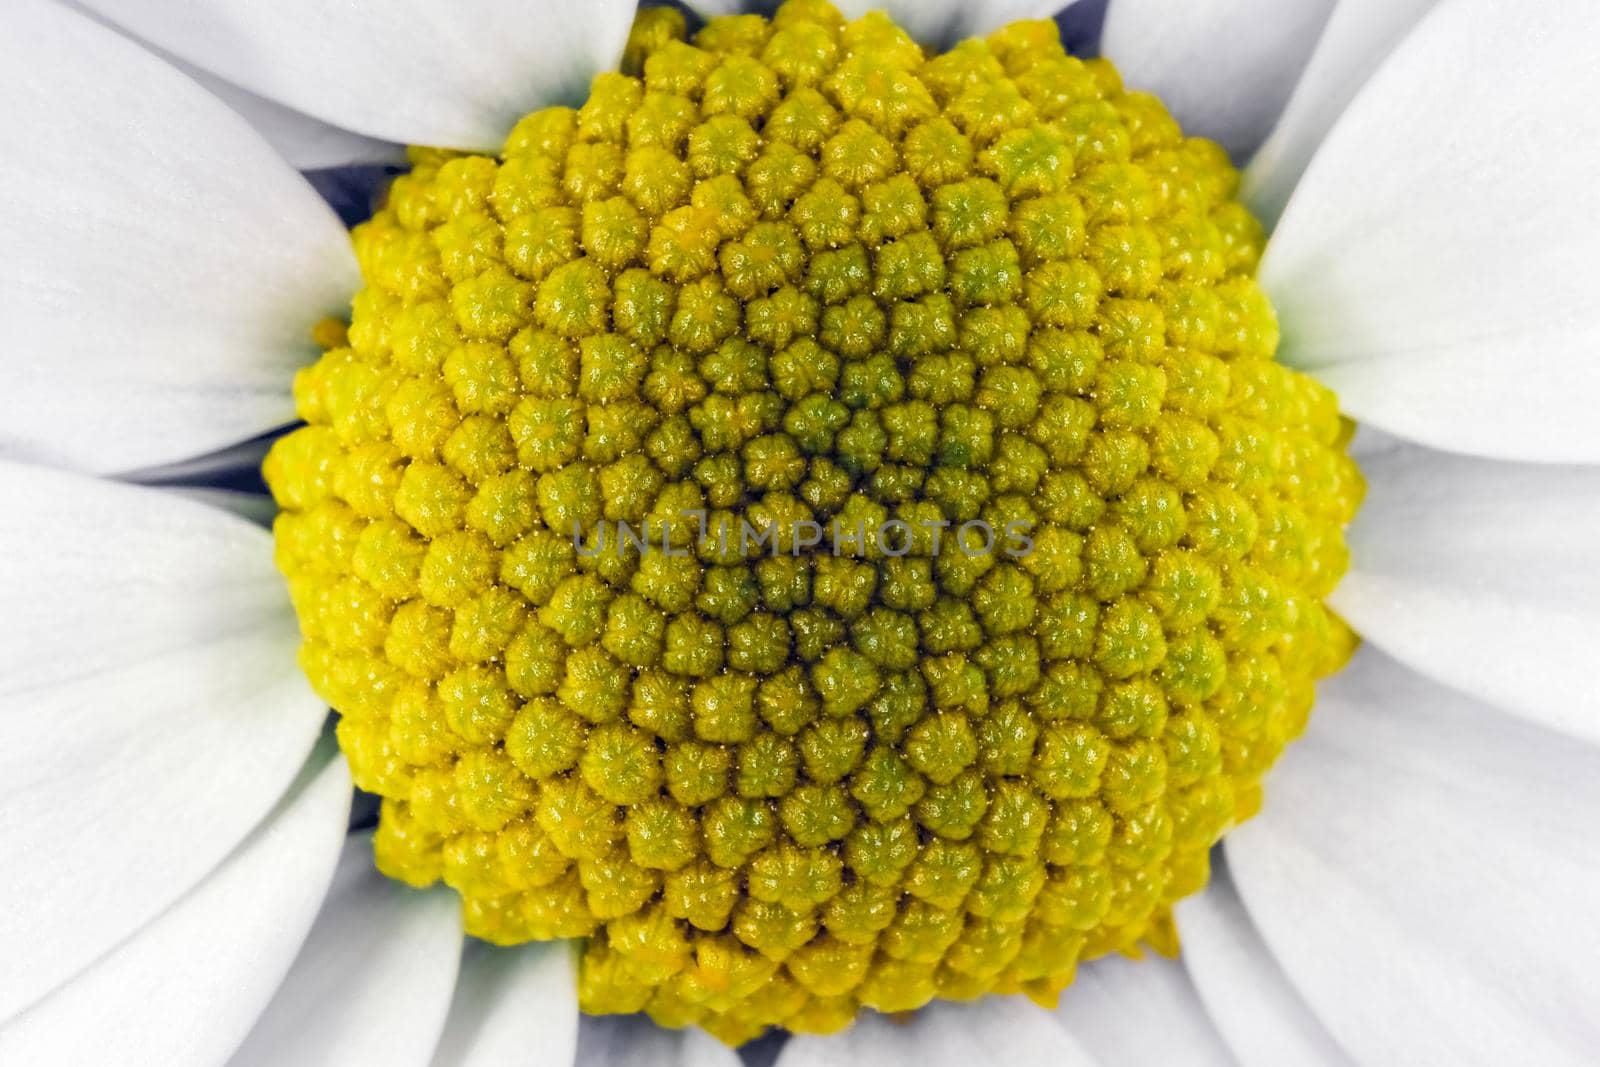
{"x": 791, "y": 309}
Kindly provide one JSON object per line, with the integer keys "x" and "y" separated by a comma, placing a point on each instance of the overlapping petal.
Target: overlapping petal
{"x": 1423, "y": 871}
{"x": 454, "y": 75}
{"x": 1439, "y": 263}
{"x": 1359, "y": 36}
{"x": 994, "y": 1030}
{"x": 513, "y": 1006}
{"x": 150, "y": 710}
{"x": 163, "y": 266}
{"x": 1250, "y": 1001}
{"x": 610, "y": 1039}
{"x": 212, "y": 960}
{"x": 1224, "y": 67}
{"x": 304, "y": 142}
{"x": 1482, "y": 575}
{"x": 1140, "y": 1011}
{"x": 374, "y": 981}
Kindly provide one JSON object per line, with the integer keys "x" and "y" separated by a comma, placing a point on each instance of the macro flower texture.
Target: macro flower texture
{"x": 822, "y": 533}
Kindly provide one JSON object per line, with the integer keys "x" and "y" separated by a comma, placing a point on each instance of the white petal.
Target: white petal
{"x": 708, "y": 9}
{"x": 1439, "y": 264}
{"x": 1140, "y": 1011}
{"x": 252, "y": 507}
{"x": 304, "y": 142}
{"x": 151, "y": 711}
{"x": 998, "y": 1030}
{"x": 373, "y": 983}
{"x": 942, "y": 22}
{"x": 1250, "y": 1000}
{"x": 1224, "y": 67}
{"x": 1370, "y": 443}
{"x": 224, "y": 463}
{"x": 608, "y": 1040}
{"x": 1359, "y": 36}
{"x": 513, "y": 1006}
{"x": 455, "y": 75}
{"x": 228, "y": 479}
{"x": 1483, "y": 576}
{"x": 212, "y": 960}
{"x": 1425, "y": 871}
{"x": 163, "y": 266}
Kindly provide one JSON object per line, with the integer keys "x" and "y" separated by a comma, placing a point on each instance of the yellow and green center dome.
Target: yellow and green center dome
{"x": 985, "y": 322}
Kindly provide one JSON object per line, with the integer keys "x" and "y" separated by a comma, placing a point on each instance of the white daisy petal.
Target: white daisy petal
{"x": 304, "y": 142}
{"x": 374, "y": 980}
{"x": 513, "y": 1006}
{"x": 608, "y": 1040}
{"x": 1359, "y": 36}
{"x": 977, "y": 17}
{"x": 252, "y": 507}
{"x": 1424, "y": 870}
{"x": 223, "y": 463}
{"x": 1140, "y": 1011}
{"x": 1482, "y": 575}
{"x": 943, "y": 22}
{"x": 1439, "y": 263}
{"x": 212, "y": 960}
{"x": 163, "y": 266}
{"x": 1224, "y": 67}
{"x": 712, "y": 8}
{"x": 1370, "y": 443}
{"x": 454, "y": 75}
{"x": 1244, "y": 990}
{"x": 1000, "y": 1030}
{"x": 151, "y": 711}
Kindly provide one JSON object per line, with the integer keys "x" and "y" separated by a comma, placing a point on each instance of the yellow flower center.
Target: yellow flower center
{"x": 820, "y": 522}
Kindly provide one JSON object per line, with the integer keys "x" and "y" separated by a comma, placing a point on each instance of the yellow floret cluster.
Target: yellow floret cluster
{"x": 799, "y": 272}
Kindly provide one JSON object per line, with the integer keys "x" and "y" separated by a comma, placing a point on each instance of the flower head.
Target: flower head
{"x": 821, "y": 521}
